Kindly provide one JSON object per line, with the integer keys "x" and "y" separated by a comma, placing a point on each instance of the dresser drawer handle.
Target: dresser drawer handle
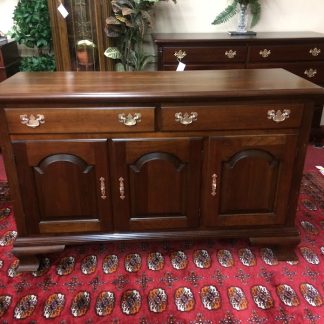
{"x": 180, "y": 54}
{"x": 278, "y": 116}
{"x": 121, "y": 188}
{"x": 185, "y": 119}
{"x": 214, "y": 184}
{"x": 310, "y": 73}
{"x": 102, "y": 188}
{"x": 315, "y": 51}
{"x": 32, "y": 121}
{"x": 230, "y": 54}
{"x": 129, "y": 120}
{"x": 265, "y": 53}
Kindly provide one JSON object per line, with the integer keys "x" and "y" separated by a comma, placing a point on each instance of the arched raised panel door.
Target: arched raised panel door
{"x": 248, "y": 180}
{"x": 156, "y": 183}
{"x": 65, "y": 185}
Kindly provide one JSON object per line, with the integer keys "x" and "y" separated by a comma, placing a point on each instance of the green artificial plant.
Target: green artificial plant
{"x": 32, "y": 29}
{"x": 128, "y": 25}
{"x": 232, "y": 9}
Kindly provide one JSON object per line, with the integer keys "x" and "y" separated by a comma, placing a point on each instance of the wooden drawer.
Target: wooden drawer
{"x": 202, "y": 54}
{"x": 286, "y": 53}
{"x": 221, "y": 117}
{"x": 312, "y": 71}
{"x": 1, "y": 60}
{"x": 81, "y": 120}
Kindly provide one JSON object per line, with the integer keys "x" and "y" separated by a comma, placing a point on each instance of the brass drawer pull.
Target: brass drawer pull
{"x": 121, "y": 188}
{"x": 315, "y": 51}
{"x": 278, "y": 116}
{"x": 214, "y": 184}
{"x": 310, "y": 73}
{"x": 103, "y": 188}
{"x": 32, "y": 121}
{"x": 230, "y": 54}
{"x": 265, "y": 53}
{"x": 185, "y": 119}
{"x": 129, "y": 120}
{"x": 180, "y": 54}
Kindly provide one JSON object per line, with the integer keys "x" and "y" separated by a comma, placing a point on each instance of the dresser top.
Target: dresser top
{"x": 150, "y": 86}
{"x": 210, "y": 37}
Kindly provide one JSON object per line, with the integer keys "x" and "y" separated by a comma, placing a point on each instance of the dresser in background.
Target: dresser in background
{"x": 301, "y": 53}
{"x": 9, "y": 59}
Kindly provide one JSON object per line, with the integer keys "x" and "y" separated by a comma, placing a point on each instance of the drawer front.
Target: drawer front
{"x": 227, "y": 117}
{"x": 1, "y": 59}
{"x": 210, "y": 66}
{"x": 312, "y": 71}
{"x": 286, "y": 53}
{"x": 201, "y": 54}
{"x": 80, "y": 120}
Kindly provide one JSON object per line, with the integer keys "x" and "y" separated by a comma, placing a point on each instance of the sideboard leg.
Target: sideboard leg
{"x": 28, "y": 263}
{"x": 284, "y": 247}
{"x": 28, "y": 256}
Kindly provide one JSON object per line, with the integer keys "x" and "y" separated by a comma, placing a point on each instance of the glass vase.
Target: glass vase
{"x": 243, "y": 19}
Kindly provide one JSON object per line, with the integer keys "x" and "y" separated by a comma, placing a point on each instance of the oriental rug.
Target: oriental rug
{"x": 203, "y": 282}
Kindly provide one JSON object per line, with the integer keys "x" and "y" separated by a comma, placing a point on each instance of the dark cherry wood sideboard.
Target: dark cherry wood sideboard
{"x": 9, "y": 59}
{"x": 102, "y": 156}
{"x": 301, "y": 53}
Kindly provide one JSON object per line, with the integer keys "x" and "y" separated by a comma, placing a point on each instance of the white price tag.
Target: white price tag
{"x": 62, "y": 10}
{"x": 181, "y": 67}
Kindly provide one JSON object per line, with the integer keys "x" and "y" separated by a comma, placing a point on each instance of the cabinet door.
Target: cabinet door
{"x": 64, "y": 185}
{"x": 156, "y": 183}
{"x": 248, "y": 180}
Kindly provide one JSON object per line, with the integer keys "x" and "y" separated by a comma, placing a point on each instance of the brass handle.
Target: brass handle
{"x": 103, "y": 188}
{"x": 214, "y": 184}
{"x": 230, "y": 54}
{"x": 121, "y": 188}
{"x": 278, "y": 116}
{"x": 185, "y": 119}
{"x": 129, "y": 120}
{"x": 265, "y": 53}
{"x": 32, "y": 121}
{"x": 180, "y": 54}
{"x": 310, "y": 73}
{"x": 315, "y": 51}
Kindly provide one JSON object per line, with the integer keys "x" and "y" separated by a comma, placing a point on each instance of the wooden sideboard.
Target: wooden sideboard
{"x": 9, "y": 59}
{"x": 301, "y": 53}
{"x": 101, "y": 156}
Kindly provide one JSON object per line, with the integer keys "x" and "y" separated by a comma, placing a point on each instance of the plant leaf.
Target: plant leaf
{"x": 255, "y": 9}
{"x": 229, "y": 12}
{"x": 113, "y": 53}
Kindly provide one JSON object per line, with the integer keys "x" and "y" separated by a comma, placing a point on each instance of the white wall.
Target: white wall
{"x": 197, "y": 16}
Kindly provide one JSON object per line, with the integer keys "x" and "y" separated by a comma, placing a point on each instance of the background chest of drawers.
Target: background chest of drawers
{"x": 9, "y": 59}
{"x": 301, "y": 53}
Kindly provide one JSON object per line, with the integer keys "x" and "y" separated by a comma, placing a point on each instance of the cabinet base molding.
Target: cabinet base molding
{"x": 27, "y": 249}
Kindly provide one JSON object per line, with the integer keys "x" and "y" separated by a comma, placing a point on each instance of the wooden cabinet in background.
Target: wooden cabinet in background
{"x": 154, "y": 155}
{"x": 85, "y": 23}
{"x": 9, "y": 59}
{"x": 301, "y": 53}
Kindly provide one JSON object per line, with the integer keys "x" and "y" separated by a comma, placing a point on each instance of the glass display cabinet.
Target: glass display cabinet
{"x": 79, "y": 40}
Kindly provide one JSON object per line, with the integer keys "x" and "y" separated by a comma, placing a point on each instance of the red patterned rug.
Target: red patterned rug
{"x": 201, "y": 282}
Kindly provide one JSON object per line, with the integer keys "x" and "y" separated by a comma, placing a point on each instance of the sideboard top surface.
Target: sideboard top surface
{"x": 212, "y": 37}
{"x": 150, "y": 86}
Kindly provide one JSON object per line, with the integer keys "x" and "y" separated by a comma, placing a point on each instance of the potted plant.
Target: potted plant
{"x": 128, "y": 25}
{"x": 32, "y": 29}
{"x": 241, "y": 7}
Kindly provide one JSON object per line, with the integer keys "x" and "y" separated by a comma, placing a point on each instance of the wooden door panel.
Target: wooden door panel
{"x": 160, "y": 181}
{"x": 252, "y": 175}
{"x": 65, "y": 185}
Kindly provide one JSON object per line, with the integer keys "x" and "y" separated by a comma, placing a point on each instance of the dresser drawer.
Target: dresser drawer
{"x": 201, "y": 54}
{"x": 221, "y": 117}
{"x": 312, "y": 71}
{"x": 80, "y": 120}
{"x": 286, "y": 53}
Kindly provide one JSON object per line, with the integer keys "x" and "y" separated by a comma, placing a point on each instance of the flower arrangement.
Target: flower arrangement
{"x": 232, "y": 9}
